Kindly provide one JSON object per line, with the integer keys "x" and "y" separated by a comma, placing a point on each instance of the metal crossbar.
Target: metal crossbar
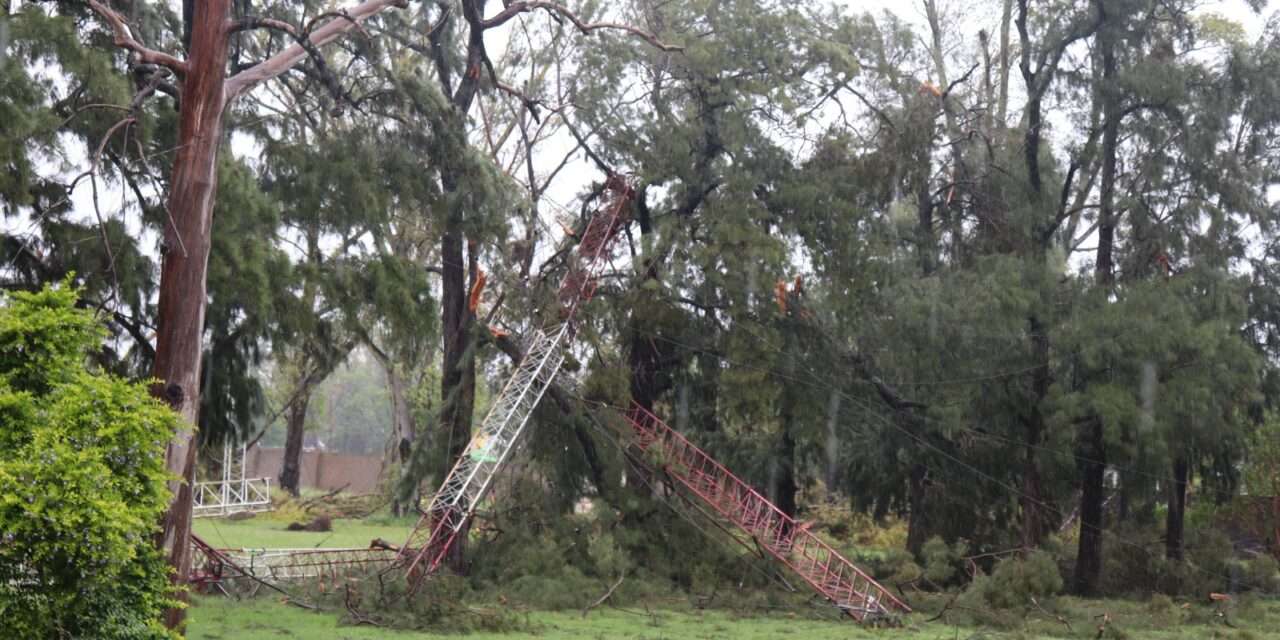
{"x": 234, "y": 493}
{"x": 499, "y": 434}
{"x": 497, "y": 437}
{"x": 821, "y": 566}
{"x": 212, "y": 567}
{"x": 225, "y": 497}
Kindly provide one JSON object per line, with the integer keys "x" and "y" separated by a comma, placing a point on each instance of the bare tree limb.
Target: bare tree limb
{"x": 123, "y": 37}
{"x": 275, "y": 65}
{"x": 254, "y": 22}
{"x": 606, "y": 595}
{"x": 514, "y": 9}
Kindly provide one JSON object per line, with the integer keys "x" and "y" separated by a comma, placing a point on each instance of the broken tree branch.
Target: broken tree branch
{"x": 604, "y": 597}
{"x": 275, "y": 65}
{"x": 122, "y": 36}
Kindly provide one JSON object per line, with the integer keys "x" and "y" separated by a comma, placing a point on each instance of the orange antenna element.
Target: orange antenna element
{"x": 1162, "y": 259}
{"x": 780, "y": 295}
{"x": 476, "y": 290}
{"x": 567, "y": 231}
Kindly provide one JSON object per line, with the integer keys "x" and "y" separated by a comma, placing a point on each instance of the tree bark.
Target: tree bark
{"x": 1091, "y": 442}
{"x": 206, "y": 91}
{"x": 1002, "y": 104}
{"x": 405, "y": 430}
{"x": 918, "y": 522}
{"x": 1093, "y": 466}
{"x": 457, "y": 380}
{"x": 296, "y": 424}
{"x": 1033, "y": 517}
{"x": 786, "y": 486}
{"x": 1104, "y": 268}
{"x": 1177, "y": 509}
{"x": 185, "y": 259}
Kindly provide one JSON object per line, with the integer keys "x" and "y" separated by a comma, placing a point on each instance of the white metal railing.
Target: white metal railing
{"x": 225, "y": 497}
{"x": 234, "y": 493}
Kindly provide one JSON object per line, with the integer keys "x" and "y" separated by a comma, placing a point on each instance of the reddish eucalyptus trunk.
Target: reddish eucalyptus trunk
{"x": 180, "y": 324}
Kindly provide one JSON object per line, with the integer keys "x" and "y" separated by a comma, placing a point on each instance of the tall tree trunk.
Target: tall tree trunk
{"x": 1104, "y": 267}
{"x": 295, "y": 427}
{"x": 1035, "y": 251}
{"x": 405, "y": 432}
{"x": 785, "y": 486}
{"x": 185, "y": 259}
{"x": 457, "y": 381}
{"x": 1033, "y": 517}
{"x": 918, "y": 524}
{"x": 1092, "y": 465}
{"x": 1177, "y": 509}
{"x": 1002, "y": 104}
{"x": 1090, "y": 438}
{"x": 185, "y": 251}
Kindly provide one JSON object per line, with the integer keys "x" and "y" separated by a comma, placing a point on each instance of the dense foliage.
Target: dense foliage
{"x": 82, "y": 481}
{"x": 1004, "y": 276}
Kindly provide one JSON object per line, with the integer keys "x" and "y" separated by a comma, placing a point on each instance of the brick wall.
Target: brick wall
{"x": 320, "y": 470}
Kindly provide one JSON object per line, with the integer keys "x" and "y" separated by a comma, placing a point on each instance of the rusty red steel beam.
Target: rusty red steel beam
{"x": 816, "y": 562}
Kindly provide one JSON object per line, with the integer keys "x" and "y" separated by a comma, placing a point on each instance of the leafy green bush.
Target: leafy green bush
{"x": 82, "y": 482}
{"x": 1263, "y": 574}
{"x": 1016, "y": 581}
{"x": 942, "y": 562}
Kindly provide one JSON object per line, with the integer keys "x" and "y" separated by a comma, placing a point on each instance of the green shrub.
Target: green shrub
{"x": 1130, "y": 569}
{"x": 1263, "y": 574}
{"x": 1161, "y": 605}
{"x": 82, "y": 482}
{"x": 942, "y": 562}
{"x": 567, "y": 589}
{"x": 1016, "y": 581}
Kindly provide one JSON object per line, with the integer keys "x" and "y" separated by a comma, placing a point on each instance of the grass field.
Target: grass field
{"x": 215, "y": 618}
{"x": 263, "y": 619}
{"x": 269, "y": 532}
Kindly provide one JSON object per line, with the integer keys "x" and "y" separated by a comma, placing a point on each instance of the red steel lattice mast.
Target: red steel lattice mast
{"x": 821, "y": 566}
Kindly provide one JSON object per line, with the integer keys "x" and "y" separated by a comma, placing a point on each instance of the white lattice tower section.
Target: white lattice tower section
{"x": 235, "y": 492}
{"x": 499, "y": 434}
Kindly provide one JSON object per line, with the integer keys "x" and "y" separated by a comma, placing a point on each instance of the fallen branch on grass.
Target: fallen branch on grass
{"x": 604, "y": 597}
{"x": 1057, "y": 617}
{"x": 1102, "y": 628}
{"x": 945, "y": 607}
{"x": 307, "y": 503}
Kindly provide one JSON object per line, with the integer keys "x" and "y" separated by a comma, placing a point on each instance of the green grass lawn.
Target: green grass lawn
{"x": 262, "y": 619}
{"x": 269, "y": 532}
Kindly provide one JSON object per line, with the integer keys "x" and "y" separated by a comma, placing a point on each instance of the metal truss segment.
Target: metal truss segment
{"x": 499, "y": 434}
{"x": 788, "y": 541}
